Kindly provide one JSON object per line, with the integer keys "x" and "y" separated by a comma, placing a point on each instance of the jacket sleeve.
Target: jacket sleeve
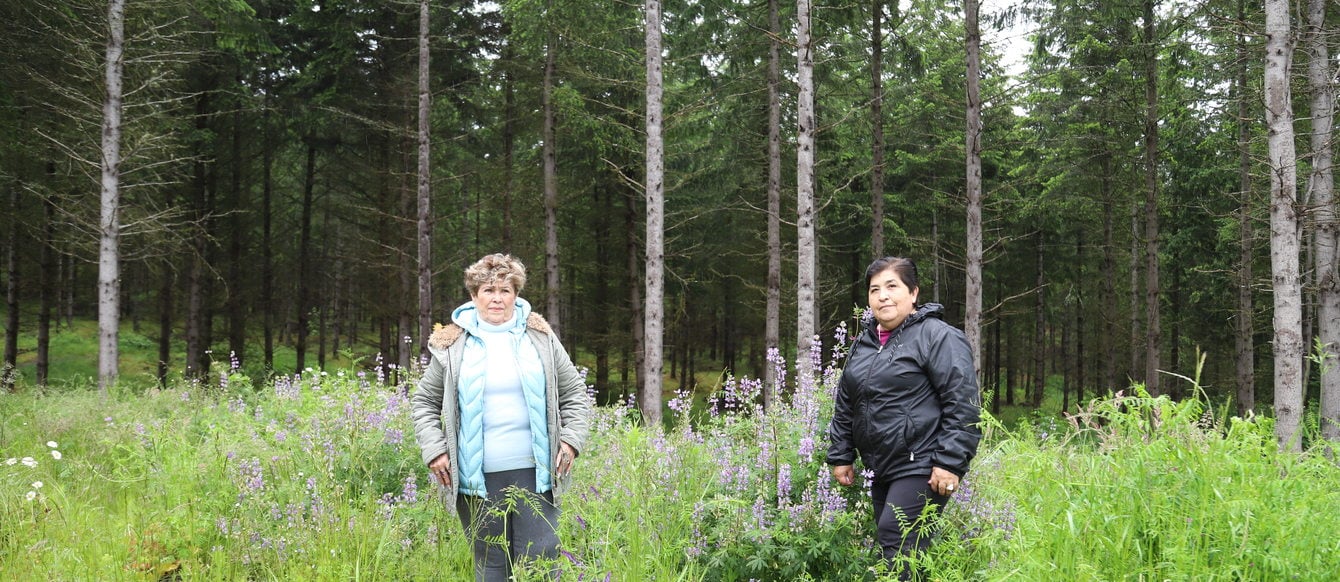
{"x": 574, "y": 405}
{"x": 954, "y": 378}
{"x": 426, "y": 412}
{"x": 840, "y": 448}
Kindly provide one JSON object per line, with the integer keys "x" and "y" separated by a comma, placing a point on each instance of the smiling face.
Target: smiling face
{"x": 495, "y": 301}
{"x": 891, "y": 301}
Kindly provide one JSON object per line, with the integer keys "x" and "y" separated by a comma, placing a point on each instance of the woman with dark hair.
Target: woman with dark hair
{"x": 500, "y": 408}
{"x": 908, "y": 404}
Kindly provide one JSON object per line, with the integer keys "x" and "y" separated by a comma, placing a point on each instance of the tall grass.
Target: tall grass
{"x": 317, "y": 477}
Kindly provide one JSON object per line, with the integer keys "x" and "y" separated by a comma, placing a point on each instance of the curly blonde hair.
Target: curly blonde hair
{"x": 492, "y": 268}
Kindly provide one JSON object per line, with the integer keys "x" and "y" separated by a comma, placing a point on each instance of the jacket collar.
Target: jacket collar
{"x": 921, "y": 313}
{"x": 444, "y": 336}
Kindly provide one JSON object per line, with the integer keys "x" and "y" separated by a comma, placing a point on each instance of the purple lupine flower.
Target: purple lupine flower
{"x": 699, "y": 546}
{"x": 764, "y": 458}
{"x": 252, "y": 475}
{"x": 784, "y": 484}
{"x": 571, "y": 558}
{"x": 830, "y": 500}
{"x": 682, "y": 402}
{"x": 760, "y": 511}
{"x": 294, "y": 513}
{"x": 806, "y": 448}
{"x": 410, "y": 493}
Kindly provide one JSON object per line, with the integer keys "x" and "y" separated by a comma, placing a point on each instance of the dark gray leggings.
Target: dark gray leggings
{"x": 502, "y": 537}
{"x": 899, "y": 505}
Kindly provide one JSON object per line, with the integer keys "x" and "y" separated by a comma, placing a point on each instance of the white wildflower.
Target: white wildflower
{"x": 32, "y": 495}
{"x": 55, "y": 455}
{"x": 52, "y": 444}
{"x": 37, "y": 484}
{"x": 29, "y": 462}
{"x": 11, "y": 461}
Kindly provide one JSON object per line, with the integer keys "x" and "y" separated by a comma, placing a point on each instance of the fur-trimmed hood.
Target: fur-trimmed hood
{"x": 446, "y": 335}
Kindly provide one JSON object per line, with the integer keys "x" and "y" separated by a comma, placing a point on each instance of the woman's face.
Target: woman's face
{"x": 890, "y": 300}
{"x": 495, "y": 301}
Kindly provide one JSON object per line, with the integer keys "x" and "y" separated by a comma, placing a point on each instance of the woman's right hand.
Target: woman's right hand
{"x": 440, "y": 468}
{"x": 845, "y": 474}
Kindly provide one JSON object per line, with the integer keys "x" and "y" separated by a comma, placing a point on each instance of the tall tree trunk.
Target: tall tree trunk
{"x": 806, "y": 245}
{"x": 602, "y": 341}
{"x": 323, "y": 293}
{"x": 1009, "y": 372}
{"x": 936, "y": 262}
{"x": 195, "y": 277}
{"x": 508, "y": 142}
{"x": 1244, "y": 322}
{"x": 972, "y": 324}
{"x": 165, "y": 313}
{"x": 407, "y": 306}
{"x": 425, "y": 189}
{"x": 267, "y": 237}
{"x": 996, "y": 364}
{"x": 9, "y": 369}
{"x": 1108, "y": 304}
{"x": 1079, "y": 317}
{"x": 550, "y": 154}
{"x": 877, "y": 127}
{"x": 69, "y": 274}
{"x": 237, "y": 323}
{"x": 109, "y": 231}
{"x": 1327, "y": 244}
{"x": 1153, "y": 327}
{"x": 1284, "y": 236}
{"x": 655, "y": 192}
{"x": 47, "y": 301}
{"x": 1064, "y": 356}
{"x": 305, "y": 254}
{"x": 1175, "y": 346}
{"x": 1039, "y": 326}
{"x": 772, "y": 337}
{"x": 634, "y": 285}
{"x": 1137, "y": 354}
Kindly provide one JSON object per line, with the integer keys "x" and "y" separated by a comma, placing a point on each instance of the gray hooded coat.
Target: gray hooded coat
{"x": 435, "y": 407}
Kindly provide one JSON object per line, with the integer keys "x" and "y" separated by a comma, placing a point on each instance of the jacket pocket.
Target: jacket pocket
{"x": 889, "y": 430}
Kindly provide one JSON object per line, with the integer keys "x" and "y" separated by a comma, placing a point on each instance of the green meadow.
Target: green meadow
{"x": 317, "y": 477}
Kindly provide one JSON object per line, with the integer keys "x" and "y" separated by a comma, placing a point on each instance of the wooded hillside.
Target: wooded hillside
{"x": 269, "y": 179}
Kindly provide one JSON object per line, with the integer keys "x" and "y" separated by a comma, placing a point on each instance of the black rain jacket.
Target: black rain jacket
{"x": 909, "y": 405}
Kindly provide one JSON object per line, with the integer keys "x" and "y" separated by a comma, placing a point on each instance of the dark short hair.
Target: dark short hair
{"x": 903, "y": 267}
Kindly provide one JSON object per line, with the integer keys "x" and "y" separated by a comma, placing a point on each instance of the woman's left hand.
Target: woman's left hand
{"x": 563, "y": 464}
{"x": 943, "y": 482}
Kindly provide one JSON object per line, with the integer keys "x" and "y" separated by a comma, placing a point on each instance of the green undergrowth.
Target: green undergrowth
{"x": 317, "y": 477}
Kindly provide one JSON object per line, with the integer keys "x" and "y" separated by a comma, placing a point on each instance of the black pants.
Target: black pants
{"x": 504, "y": 530}
{"x": 899, "y": 505}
